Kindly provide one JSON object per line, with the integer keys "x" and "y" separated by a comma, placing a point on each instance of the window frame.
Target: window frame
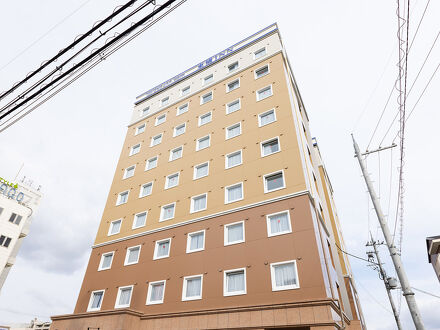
{"x": 171, "y": 153}
{"x": 145, "y": 111}
{"x": 118, "y": 200}
{"x": 126, "y": 263}
{"x": 229, "y": 103}
{"x": 164, "y": 101}
{"x": 178, "y": 113}
{"x": 109, "y": 233}
{"x": 167, "y": 186}
{"x": 184, "y": 286}
{"x": 188, "y": 241}
{"x": 101, "y": 261}
{"x": 232, "y": 126}
{"x": 119, "y": 295}
{"x": 156, "y": 245}
{"x": 232, "y": 185}
{"x": 233, "y": 64}
{"x": 199, "y": 121}
{"x": 198, "y": 144}
{"x": 182, "y": 89}
{"x": 264, "y": 113}
{"x": 259, "y": 50}
{"x": 148, "y": 161}
{"x": 138, "y": 128}
{"x": 272, "y": 276}
{"x": 266, "y": 191}
{"x": 134, "y": 219}
{"x": 269, "y": 230}
{"x": 226, "y": 233}
{"x": 150, "y": 284}
{"x": 142, "y": 188}
{"x": 195, "y": 170}
{"x": 235, "y": 293}
{"x": 162, "y": 212}
{"x": 125, "y": 172}
{"x": 131, "y": 153}
{"x": 209, "y": 76}
{"x": 89, "y": 306}
{"x": 261, "y": 67}
{"x": 202, "y": 96}
{"x": 156, "y": 121}
{"x": 231, "y": 154}
{"x": 267, "y": 141}
{"x": 153, "y": 138}
{"x": 261, "y": 89}
{"x": 192, "y": 203}
{"x": 178, "y": 126}
{"x": 228, "y": 90}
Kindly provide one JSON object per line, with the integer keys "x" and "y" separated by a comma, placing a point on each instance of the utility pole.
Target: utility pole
{"x": 395, "y": 257}
{"x": 390, "y": 282}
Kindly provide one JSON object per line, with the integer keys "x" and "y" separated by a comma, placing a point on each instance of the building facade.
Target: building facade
{"x": 221, "y": 213}
{"x": 433, "y": 250}
{"x": 18, "y": 202}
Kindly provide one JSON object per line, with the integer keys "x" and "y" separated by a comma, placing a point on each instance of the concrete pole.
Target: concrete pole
{"x": 404, "y": 283}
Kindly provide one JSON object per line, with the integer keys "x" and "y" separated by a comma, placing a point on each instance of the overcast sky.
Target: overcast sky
{"x": 343, "y": 54}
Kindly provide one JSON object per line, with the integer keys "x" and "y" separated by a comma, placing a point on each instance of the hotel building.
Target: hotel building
{"x": 221, "y": 213}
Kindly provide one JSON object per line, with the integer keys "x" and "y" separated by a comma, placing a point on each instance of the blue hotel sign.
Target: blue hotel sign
{"x": 9, "y": 190}
{"x": 204, "y": 64}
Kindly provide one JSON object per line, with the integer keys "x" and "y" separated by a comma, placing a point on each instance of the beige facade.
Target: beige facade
{"x": 224, "y": 176}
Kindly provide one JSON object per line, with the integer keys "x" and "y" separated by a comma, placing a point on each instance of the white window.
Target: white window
{"x": 172, "y": 180}
{"x": 206, "y": 98}
{"x": 260, "y": 53}
{"x": 234, "y": 282}
{"x": 274, "y": 181}
{"x": 167, "y": 212}
{"x": 234, "y": 233}
{"x": 106, "y": 261}
{"x": 196, "y": 241}
{"x": 201, "y": 170}
{"x": 160, "y": 119}
{"x": 123, "y": 298}
{"x": 115, "y": 227}
{"x": 192, "y": 287}
{"x": 132, "y": 256}
{"x": 122, "y": 198}
{"x": 185, "y": 90}
{"x": 179, "y": 130}
{"x": 182, "y": 109}
{"x": 155, "y": 140}
{"x": 151, "y": 163}
{"x": 199, "y": 203}
{"x": 156, "y": 292}
{"x": 139, "y": 220}
{"x": 164, "y": 101}
{"x": 278, "y": 223}
{"x": 233, "y": 106}
{"x": 176, "y": 153}
{"x": 95, "y": 301}
{"x": 234, "y": 193}
{"x": 162, "y": 249}
{"x": 284, "y": 275}
{"x": 264, "y": 93}
{"x": 208, "y": 79}
{"x": 203, "y": 143}
{"x": 145, "y": 111}
{"x": 140, "y": 129}
{"x": 233, "y": 159}
{"x": 266, "y": 117}
{"x": 270, "y": 147}
{"x": 233, "y": 66}
{"x": 233, "y": 131}
{"x": 232, "y": 85}
{"x": 135, "y": 149}
{"x": 205, "y": 118}
{"x": 261, "y": 72}
{"x": 129, "y": 172}
{"x": 146, "y": 189}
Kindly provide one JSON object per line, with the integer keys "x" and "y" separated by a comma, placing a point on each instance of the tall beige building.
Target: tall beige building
{"x": 221, "y": 212}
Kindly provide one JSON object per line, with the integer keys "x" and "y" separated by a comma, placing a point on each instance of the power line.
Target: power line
{"x": 426, "y": 292}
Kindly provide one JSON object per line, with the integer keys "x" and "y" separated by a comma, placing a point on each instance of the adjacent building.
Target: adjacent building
{"x": 433, "y": 249}
{"x": 18, "y": 202}
{"x": 221, "y": 212}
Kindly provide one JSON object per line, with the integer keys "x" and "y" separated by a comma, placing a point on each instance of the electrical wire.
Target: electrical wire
{"x": 426, "y": 292}
{"x": 352, "y": 255}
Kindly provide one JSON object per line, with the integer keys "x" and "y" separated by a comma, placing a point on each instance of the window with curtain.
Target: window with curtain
{"x": 161, "y": 119}
{"x": 203, "y": 143}
{"x": 233, "y": 66}
{"x": 124, "y": 297}
{"x": 123, "y": 197}
{"x": 234, "y": 193}
{"x": 162, "y": 249}
{"x": 267, "y": 117}
{"x": 193, "y": 288}
{"x": 206, "y": 98}
{"x": 145, "y": 111}
{"x": 96, "y": 300}
{"x": 274, "y": 181}
{"x": 146, "y": 189}
{"x": 233, "y": 159}
{"x": 135, "y": 149}
{"x": 129, "y": 172}
{"x": 279, "y": 223}
{"x": 204, "y": 119}
{"x": 233, "y": 106}
{"x": 172, "y": 180}
{"x": 186, "y": 90}
{"x": 234, "y": 233}
{"x": 201, "y": 170}
{"x": 199, "y": 203}
{"x": 176, "y": 153}
{"x": 270, "y": 147}
{"x": 235, "y": 282}
{"x": 208, "y": 79}
{"x": 132, "y": 255}
{"x": 233, "y": 131}
{"x": 233, "y": 85}
{"x": 284, "y": 276}
{"x": 183, "y": 108}
{"x": 264, "y": 93}
{"x": 106, "y": 261}
{"x": 140, "y": 219}
{"x": 260, "y": 53}
{"x": 179, "y": 130}
{"x": 156, "y": 140}
{"x": 140, "y": 129}
{"x": 152, "y": 163}
{"x": 115, "y": 227}
{"x": 165, "y": 101}
{"x": 156, "y": 292}
{"x": 196, "y": 241}
{"x": 262, "y": 71}
{"x": 167, "y": 212}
